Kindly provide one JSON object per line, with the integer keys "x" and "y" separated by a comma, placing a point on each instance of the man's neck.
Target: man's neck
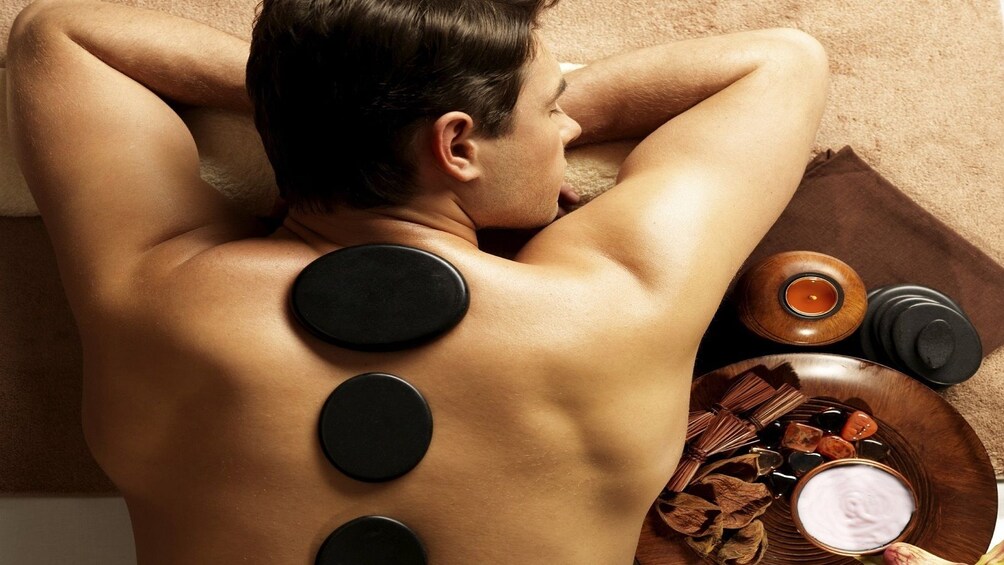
{"x": 414, "y": 224}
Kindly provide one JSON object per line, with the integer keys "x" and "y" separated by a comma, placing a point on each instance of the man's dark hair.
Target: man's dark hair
{"x": 340, "y": 87}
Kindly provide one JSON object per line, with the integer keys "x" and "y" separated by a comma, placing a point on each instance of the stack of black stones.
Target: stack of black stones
{"x": 921, "y": 332}
{"x": 376, "y": 427}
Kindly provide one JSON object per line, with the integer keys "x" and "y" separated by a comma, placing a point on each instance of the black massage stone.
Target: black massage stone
{"x": 831, "y": 420}
{"x": 876, "y": 298}
{"x": 937, "y": 344}
{"x": 375, "y": 427}
{"x": 372, "y": 540}
{"x": 872, "y": 449}
{"x": 770, "y": 435}
{"x": 881, "y": 294}
{"x": 886, "y": 316}
{"x": 781, "y": 484}
{"x": 801, "y": 462}
{"x": 379, "y": 297}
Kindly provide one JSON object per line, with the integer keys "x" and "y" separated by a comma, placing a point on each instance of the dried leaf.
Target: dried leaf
{"x": 707, "y": 544}
{"x": 740, "y": 502}
{"x": 742, "y": 467}
{"x": 689, "y": 515}
{"x": 745, "y": 547}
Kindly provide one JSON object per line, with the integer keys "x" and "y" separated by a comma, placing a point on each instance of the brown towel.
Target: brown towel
{"x": 845, "y": 209}
{"x": 42, "y": 449}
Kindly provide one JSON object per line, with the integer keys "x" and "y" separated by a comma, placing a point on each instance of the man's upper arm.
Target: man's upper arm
{"x": 697, "y": 195}
{"x": 113, "y": 169}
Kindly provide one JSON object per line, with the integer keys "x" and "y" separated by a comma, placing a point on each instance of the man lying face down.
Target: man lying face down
{"x": 549, "y": 409}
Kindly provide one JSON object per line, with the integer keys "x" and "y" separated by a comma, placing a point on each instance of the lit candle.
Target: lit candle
{"x": 811, "y": 296}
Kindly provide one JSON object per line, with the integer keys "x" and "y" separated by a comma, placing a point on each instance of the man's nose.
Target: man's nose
{"x": 571, "y": 131}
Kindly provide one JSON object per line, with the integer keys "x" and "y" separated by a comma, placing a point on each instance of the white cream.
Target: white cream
{"x": 854, "y": 507}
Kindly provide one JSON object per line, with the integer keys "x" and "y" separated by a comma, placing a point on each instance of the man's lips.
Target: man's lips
{"x": 566, "y": 197}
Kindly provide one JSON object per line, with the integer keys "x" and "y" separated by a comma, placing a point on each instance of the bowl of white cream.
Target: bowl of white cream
{"x": 854, "y": 506}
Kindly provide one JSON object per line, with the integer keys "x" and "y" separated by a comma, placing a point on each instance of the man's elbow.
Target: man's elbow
{"x": 33, "y": 24}
{"x": 794, "y": 46}
{"x": 801, "y": 57}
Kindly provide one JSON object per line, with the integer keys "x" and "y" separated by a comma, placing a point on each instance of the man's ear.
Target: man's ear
{"x": 454, "y": 148}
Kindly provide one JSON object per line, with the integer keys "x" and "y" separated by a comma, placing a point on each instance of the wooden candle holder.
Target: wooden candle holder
{"x": 801, "y": 298}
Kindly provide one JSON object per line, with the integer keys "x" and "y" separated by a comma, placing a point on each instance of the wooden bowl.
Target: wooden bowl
{"x": 930, "y": 443}
{"x": 801, "y": 298}
{"x": 903, "y": 534}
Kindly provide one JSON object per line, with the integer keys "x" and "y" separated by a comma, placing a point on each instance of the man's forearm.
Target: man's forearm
{"x": 180, "y": 60}
{"x": 631, "y": 94}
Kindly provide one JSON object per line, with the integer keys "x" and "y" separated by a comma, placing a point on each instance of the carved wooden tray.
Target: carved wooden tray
{"x": 932, "y": 445}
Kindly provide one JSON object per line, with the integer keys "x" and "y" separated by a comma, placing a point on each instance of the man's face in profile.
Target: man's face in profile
{"x": 524, "y": 171}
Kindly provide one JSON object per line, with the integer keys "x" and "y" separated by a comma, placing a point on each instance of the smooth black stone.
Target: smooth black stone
{"x": 831, "y": 420}
{"x": 935, "y": 344}
{"x": 967, "y": 349}
{"x": 882, "y": 306}
{"x": 771, "y": 434}
{"x": 780, "y": 484}
{"x": 375, "y": 427}
{"x": 879, "y": 302}
{"x": 872, "y": 449}
{"x": 372, "y": 540}
{"x": 884, "y": 321}
{"x": 379, "y": 297}
{"x": 879, "y": 295}
{"x": 801, "y": 463}
{"x": 865, "y": 336}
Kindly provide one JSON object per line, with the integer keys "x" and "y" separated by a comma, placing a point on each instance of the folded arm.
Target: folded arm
{"x": 113, "y": 169}
{"x": 729, "y": 123}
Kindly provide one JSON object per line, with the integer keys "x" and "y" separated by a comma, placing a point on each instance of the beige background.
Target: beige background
{"x": 916, "y": 91}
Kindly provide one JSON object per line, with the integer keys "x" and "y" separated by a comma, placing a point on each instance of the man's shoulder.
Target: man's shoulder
{"x": 172, "y": 289}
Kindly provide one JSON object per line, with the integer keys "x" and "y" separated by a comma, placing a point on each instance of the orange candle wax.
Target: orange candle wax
{"x": 811, "y": 296}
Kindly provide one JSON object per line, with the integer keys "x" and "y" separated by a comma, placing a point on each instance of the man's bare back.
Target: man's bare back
{"x": 216, "y": 449}
{"x": 559, "y": 401}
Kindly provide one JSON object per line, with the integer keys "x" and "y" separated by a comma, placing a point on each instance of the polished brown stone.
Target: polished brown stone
{"x": 801, "y": 437}
{"x": 835, "y": 447}
{"x": 859, "y": 426}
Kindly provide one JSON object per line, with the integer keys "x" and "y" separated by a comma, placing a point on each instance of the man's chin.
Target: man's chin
{"x": 546, "y": 217}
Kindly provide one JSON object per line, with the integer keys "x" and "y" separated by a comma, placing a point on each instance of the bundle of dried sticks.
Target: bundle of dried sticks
{"x": 786, "y": 399}
{"x": 747, "y": 393}
{"x": 725, "y": 432}
{"x": 722, "y": 430}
